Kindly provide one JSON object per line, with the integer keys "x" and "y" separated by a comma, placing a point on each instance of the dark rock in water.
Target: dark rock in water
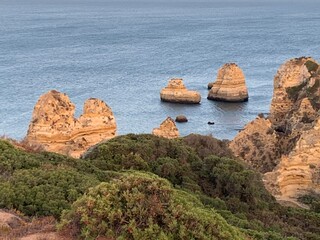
{"x": 210, "y": 123}
{"x": 181, "y": 119}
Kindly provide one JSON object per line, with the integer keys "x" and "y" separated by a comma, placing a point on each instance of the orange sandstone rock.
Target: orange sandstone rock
{"x": 54, "y": 126}
{"x": 176, "y": 92}
{"x": 290, "y": 76}
{"x": 230, "y": 85}
{"x": 286, "y": 145}
{"x": 167, "y": 129}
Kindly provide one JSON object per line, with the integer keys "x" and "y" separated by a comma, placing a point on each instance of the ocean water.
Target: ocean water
{"x": 125, "y": 52}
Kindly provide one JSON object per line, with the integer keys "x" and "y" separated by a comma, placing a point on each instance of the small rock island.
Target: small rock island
{"x": 176, "y": 92}
{"x": 167, "y": 129}
{"x": 230, "y": 85}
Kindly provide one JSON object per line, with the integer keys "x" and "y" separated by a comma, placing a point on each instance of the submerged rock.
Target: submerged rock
{"x": 176, "y": 92}
{"x": 54, "y": 126}
{"x": 181, "y": 118}
{"x": 229, "y": 86}
{"x": 167, "y": 129}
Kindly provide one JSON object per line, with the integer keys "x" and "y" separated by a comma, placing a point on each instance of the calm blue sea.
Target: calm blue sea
{"x": 125, "y": 52}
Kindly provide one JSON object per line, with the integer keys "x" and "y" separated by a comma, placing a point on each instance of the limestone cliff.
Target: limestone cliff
{"x": 290, "y": 77}
{"x": 176, "y": 92}
{"x": 286, "y": 145}
{"x": 167, "y": 129}
{"x": 298, "y": 172}
{"x": 230, "y": 85}
{"x": 54, "y": 126}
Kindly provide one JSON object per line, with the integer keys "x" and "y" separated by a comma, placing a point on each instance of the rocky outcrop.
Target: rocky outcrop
{"x": 230, "y": 85}
{"x": 176, "y": 92}
{"x": 290, "y": 77}
{"x": 286, "y": 145}
{"x": 167, "y": 129}
{"x": 298, "y": 173}
{"x": 257, "y": 145}
{"x": 54, "y": 126}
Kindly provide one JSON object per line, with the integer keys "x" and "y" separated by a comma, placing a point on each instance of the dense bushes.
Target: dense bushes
{"x": 44, "y": 191}
{"x": 144, "y": 206}
{"x": 181, "y": 165}
{"x": 43, "y": 183}
{"x": 47, "y": 183}
{"x": 207, "y": 145}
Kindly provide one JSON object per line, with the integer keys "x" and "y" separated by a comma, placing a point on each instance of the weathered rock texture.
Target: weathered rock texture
{"x": 290, "y": 77}
{"x": 54, "y": 126}
{"x": 286, "y": 145}
{"x": 167, "y": 129}
{"x": 257, "y": 145}
{"x": 230, "y": 85}
{"x": 176, "y": 92}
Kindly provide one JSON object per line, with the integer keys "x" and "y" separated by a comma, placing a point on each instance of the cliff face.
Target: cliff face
{"x": 257, "y": 145}
{"x": 290, "y": 75}
{"x": 176, "y": 92}
{"x": 54, "y": 126}
{"x": 230, "y": 85}
{"x": 167, "y": 129}
{"x": 286, "y": 145}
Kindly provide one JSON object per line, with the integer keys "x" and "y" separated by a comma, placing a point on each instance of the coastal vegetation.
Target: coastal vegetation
{"x": 144, "y": 186}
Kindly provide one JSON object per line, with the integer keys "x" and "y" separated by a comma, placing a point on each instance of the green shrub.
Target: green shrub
{"x": 144, "y": 206}
{"x": 312, "y": 199}
{"x": 311, "y": 66}
{"x": 44, "y": 191}
{"x": 43, "y": 183}
{"x": 207, "y": 145}
{"x": 293, "y": 92}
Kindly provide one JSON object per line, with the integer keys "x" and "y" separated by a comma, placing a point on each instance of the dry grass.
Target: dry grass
{"x": 32, "y": 229}
{"x": 24, "y": 144}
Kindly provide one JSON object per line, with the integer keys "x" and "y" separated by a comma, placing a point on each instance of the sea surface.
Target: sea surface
{"x": 125, "y": 52}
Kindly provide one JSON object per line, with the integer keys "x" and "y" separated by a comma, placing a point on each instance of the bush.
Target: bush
{"x": 172, "y": 159}
{"x": 44, "y": 192}
{"x": 311, "y": 66}
{"x": 207, "y": 145}
{"x": 44, "y": 183}
{"x": 144, "y": 206}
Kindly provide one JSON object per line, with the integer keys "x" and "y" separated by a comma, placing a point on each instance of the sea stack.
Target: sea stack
{"x": 285, "y": 146}
{"x": 176, "y": 92}
{"x": 167, "y": 129}
{"x": 54, "y": 127}
{"x": 230, "y": 85}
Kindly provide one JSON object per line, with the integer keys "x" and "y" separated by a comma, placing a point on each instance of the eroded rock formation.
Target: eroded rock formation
{"x": 230, "y": 85}
{"x": 257, "y": 145}
{"x": 290, "y": 76}
{"x": 176, "y": 92}
{"x": 286, "y": 145}
{"x": 167, "y": 129}
{"x": 54, "y": 126}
